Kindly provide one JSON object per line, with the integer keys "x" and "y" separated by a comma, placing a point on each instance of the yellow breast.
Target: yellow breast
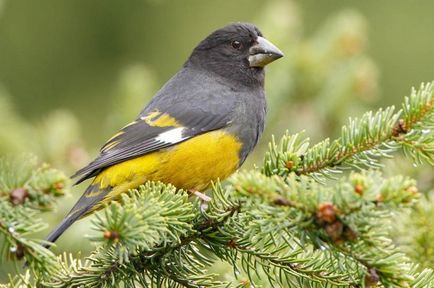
{"x": 190, "y": 165}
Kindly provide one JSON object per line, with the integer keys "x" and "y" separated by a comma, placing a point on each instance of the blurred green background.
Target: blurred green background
{"x": 70, "y": 54}
{"x": 73, "y": 72}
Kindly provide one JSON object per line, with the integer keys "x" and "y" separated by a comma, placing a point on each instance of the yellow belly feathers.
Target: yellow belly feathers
{"x": 190, "y": 165}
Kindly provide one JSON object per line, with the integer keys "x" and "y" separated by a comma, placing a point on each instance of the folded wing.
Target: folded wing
{"x": 151, "y": 132}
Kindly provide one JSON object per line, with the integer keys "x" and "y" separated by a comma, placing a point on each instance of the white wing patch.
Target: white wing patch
{"x": 172, "y": 136}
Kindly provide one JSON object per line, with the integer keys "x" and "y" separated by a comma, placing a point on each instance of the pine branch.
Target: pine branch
{"x": 339, "y": 237}
{"x": 26, "y": 189}
{"x": 277, "y": 228}
{"x": 15, "y": 226}
{"x": 363, "y": 141}
{"x": 349, "y": 218}
{"x": 19, "y": 281}
{"x": 422, "y": 279}
{"x": 27, "y": 183}
{"x": 162, "y": 216}
{"x": 151, "y": 240}
{"x": 417, "y": 244}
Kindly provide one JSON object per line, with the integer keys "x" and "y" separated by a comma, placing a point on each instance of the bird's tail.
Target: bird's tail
{"x": 87, "y": 203}
{"x": 52, "y": 237}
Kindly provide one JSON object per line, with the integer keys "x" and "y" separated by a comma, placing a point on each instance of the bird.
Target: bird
{"x": 198, "y": 128}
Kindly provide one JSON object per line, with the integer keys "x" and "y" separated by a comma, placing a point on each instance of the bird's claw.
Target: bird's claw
{"x": 204, "y": 199}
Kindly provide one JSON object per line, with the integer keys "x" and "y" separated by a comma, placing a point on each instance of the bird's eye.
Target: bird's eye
{"x": 236, "y": 44}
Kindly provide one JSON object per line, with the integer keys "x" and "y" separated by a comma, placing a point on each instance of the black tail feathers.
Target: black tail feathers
{"x": 86, "y": 202}
{"x": 58, "y": 231}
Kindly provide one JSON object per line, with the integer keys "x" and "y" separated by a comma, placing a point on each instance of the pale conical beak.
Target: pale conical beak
{"x": 263, "y": 52}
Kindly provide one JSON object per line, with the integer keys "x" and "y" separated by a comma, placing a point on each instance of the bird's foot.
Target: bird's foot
{"x": 204, "y": 199}
{"x": 201, "y": 196}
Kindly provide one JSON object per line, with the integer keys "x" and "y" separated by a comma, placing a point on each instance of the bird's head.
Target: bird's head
{"x": 238, "y": 51}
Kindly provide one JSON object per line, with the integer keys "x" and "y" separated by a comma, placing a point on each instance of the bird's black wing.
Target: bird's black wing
{"x": 189, "y": 104}
{"x": 150, "y": 132}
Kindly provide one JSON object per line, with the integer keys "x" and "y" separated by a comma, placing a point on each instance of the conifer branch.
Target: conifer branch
{"x": 276, "y": 228}
{"x": 341, "y": 229}
{"x": 363, "y": 141}
{"x": 26, "y": 189}
{"x": 418, "y": 244}
{"x": 348, "y": 218}
{"x": 153, "y": 236}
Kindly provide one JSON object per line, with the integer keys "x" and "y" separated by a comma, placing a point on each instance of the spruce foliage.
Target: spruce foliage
{"x": 312, "y": 216}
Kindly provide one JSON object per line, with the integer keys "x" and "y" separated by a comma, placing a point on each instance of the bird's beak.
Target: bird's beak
{"x": 263, "y": 52}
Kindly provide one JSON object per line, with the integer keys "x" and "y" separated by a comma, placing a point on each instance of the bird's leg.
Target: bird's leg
{"x": 200, "y": 195}
{"x": 204, "y": 199}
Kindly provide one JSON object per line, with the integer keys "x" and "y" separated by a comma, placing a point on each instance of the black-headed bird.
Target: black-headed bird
{"x": 198, "y": 128}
